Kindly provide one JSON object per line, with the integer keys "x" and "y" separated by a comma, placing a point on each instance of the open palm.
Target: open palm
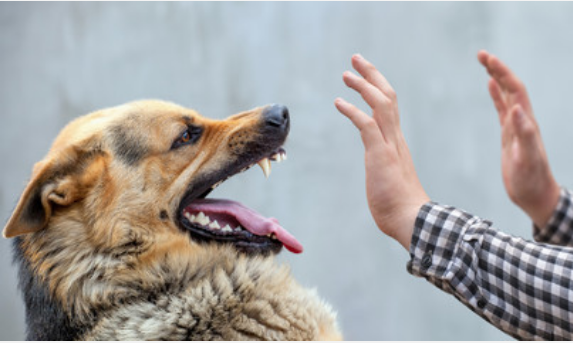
{"x": 525, "y": 168}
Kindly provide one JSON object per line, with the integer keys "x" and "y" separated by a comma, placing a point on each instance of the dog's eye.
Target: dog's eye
{"x": 189, "y": 136}
{"x": 186, "y": 137}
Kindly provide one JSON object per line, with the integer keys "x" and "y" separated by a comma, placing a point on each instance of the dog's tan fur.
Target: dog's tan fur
{"x": 97, "y": 233}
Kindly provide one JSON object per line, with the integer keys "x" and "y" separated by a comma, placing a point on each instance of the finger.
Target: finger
{"x": 382, "y": 106}
{"x": 483, "y": 57}
{"x": 524, "y": 128}
{"x": 372, "y": 95}
{"x": 372, "y": 75}
{"x": 371, "y": 134}
{"x": 507, "y": 80}
{"x": 498, "y": 100}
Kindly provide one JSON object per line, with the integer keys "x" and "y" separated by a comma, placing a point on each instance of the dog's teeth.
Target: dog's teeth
{"x": 192, "y": 218}
{"x": 202, "y": 219}
{"x": 273, "y": 236}
{"x": 187, "y": 215}
{"x": 265, "y": 165}
{"x": 283, "y": 156}
{"x": 238, "y": 228}
{"x": 277, "y": 157}
{"x": 215, "y": 225}
{"x": 227, "y": 228}
{"x": 269, "y": 235}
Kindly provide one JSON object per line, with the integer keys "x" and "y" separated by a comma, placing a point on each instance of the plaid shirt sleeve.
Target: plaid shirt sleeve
{"x": 559, "y": 228}
{"x": 523, "y": 288}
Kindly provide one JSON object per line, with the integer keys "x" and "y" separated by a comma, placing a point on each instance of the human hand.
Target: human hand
{"x": 393, "y": 189}
{"x": 525, "y": 168}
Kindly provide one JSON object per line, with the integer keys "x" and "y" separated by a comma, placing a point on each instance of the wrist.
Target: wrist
{"x": 399, "y": 223}
{"x": 543, "y": 209}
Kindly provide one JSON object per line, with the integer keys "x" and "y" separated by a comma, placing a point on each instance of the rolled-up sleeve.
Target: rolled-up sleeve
{"x": 559, "y": 228}
{"x": 522, "y": 287}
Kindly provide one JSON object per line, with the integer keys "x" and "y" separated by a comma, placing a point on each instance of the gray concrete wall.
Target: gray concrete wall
{"x": 61, "y": 60}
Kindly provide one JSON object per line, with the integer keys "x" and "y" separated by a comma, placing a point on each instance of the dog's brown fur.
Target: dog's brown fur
{"x": 102, "y": 257}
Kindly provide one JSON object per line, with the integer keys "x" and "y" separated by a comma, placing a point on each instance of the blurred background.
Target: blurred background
{"x": 62, "y": 60}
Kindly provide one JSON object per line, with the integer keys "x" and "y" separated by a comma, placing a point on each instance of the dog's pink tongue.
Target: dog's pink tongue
{"x": 249, "y": 219}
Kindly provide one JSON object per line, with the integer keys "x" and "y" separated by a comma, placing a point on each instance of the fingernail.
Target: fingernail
{"x": 358, "y": 56}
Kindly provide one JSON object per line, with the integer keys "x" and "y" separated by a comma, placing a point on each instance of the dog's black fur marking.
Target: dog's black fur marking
{"x": 128, "y": 148}
{"x": 45, "y": 317}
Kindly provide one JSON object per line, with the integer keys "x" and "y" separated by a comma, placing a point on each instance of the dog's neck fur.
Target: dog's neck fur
{"x": 45, "y": 317}
{"x": 213, "y": 293}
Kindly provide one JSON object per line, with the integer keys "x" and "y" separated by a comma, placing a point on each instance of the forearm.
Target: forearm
{"x": 521, "y": 287}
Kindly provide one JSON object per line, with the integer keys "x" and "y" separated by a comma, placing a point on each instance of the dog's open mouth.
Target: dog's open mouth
{"x": 227, "y": 221}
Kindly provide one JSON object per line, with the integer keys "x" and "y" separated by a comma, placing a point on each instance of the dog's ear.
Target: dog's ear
{"x": 52, "y": 185}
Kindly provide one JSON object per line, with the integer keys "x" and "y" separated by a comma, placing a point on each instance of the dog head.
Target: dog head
{"x": 131, "y": 176}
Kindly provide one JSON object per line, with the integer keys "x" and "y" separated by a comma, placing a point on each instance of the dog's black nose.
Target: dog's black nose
{"x": 276, "y": 116}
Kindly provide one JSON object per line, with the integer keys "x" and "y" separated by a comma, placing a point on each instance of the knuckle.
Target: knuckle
{"x": 385, "y": 102}
{"x": 529, "y": 131}
{"x": 370, "y": 124}
{"x": 392, "y": 94}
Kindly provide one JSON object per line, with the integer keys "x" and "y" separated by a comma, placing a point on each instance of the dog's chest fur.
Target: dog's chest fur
{"x": 242, "y": 299}
{"x": 222, "y": 306}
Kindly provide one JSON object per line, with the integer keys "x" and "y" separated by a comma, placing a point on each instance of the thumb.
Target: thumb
{"x": 524, "y": 128}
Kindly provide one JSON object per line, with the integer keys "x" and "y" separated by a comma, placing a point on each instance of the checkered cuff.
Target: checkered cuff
{"x": 523, "y": 288}
{"x": 435, "y": 247}
{"x": 559, "y": 228}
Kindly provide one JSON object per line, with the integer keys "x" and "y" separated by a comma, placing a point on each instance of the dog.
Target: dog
{"x": 115, "y": 238}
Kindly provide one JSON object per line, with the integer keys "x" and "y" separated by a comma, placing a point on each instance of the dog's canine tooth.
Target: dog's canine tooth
{"x": 215, "y": 225}
{"x": 227, "y": 228}
{"x": 265, "y": 165}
